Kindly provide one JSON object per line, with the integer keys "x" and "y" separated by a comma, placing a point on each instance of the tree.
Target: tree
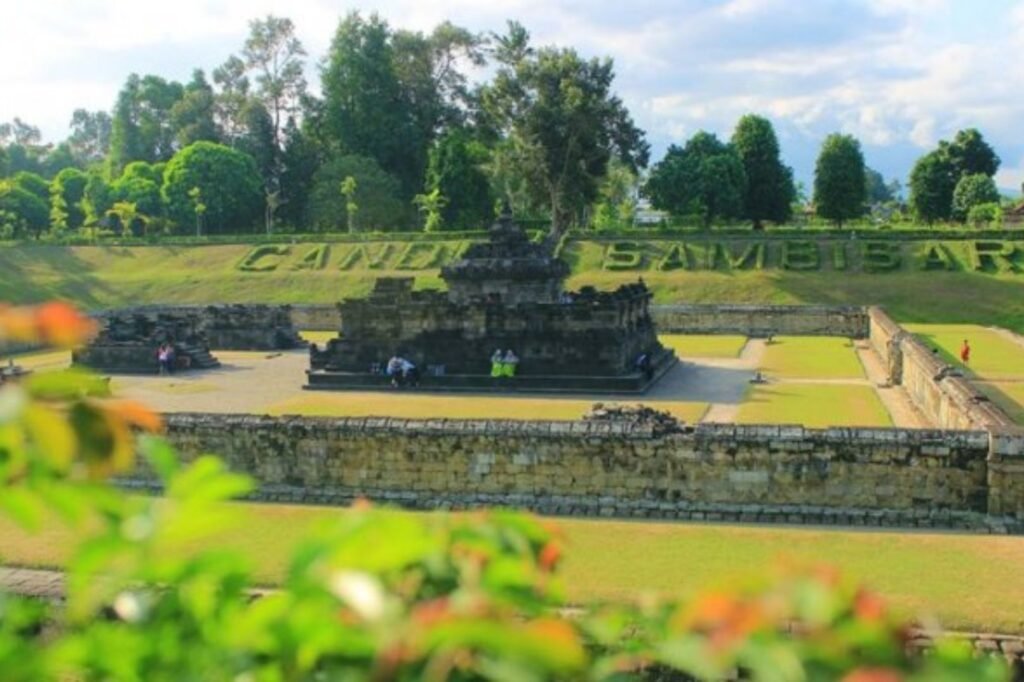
{"x": 195, "y": 195}
{"x": 932, "y": 182}
{"x": 127, "y": 214}
{"x": 973, "y": 190}
{"x": 97, "y": 199}
{"x": 273, "y": 51}
{"x": 875, "y": 187}
{"x": 704, "y": 177}
{"x": 562, "y": 106}
{"x": 430, "y": 205}
{"x": 90, "y": 135}
{"x": 193, "y": 116}
{"x": 970, "y": 154}
{"x": 257, "y": 140}
{"x": 770, "y": 191}
{"x": 230, "y": 186}
{"x": 142, "y": 127}
{"x": 300, "y": 160}
{"x": 617, "y": 205}
{"x": 69, "y": 185}
{"x": 377, "y": 196}
{"x": 455, "y": 170}
{"x": 33, "y": 183}
{"x": 839, "y": 185}
{"x": 26, "y": 212}
{"x": 364, "y": 111}
{"x": 348, "y": 190}
{"x": 232, "y": 99}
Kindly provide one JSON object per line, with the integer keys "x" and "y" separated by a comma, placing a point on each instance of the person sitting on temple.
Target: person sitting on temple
{"x": 410, "y": 374}
{"x": 497, "y": 363}
{"x": 394, "y": 370}
{"x": 643, "y": 364}
{"x": 509, "y": 364}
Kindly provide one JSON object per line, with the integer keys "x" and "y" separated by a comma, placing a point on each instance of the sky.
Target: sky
{"x": 898, "y": 74}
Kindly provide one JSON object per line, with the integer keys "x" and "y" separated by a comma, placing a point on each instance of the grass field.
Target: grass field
{"x": 704, "y": 345}
{"x": 408, "y": 406}
{"x": 993, "y": 355}
{"x": 102, "y": 277}
{"x": 810, "y": 357}
{"x": 966, "y": 581}
{"x": 813, "y": 405}
{"x": 318, "y": 337}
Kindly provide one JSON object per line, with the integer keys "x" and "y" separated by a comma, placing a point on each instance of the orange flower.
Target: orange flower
{"x": 59, "y": 324}
{"x": 135, "y": 414}
{"x": 868, "y": 606}
{"x": 550, "y": 555}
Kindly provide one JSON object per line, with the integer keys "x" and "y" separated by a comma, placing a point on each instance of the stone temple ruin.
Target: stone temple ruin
{"x": 129, "y": 339}
{"x": 504, "y": 294}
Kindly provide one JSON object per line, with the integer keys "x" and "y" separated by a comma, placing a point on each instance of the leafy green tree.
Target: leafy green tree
{"x": 616, "y": 207}
{"x": 365, "y": 112}
{"x": 97, "y": 199}
{"x": 34, "y": 183}
{"x": 985, "y": 215}
{"x": 932, "y": 182}
{"x": 128, "y": 215}
{"x": 229, "y": 182}
{"x": 839, "y": 184}
{"x": 192, "y": 116}
{"x": 257, "y": 140}
{"x": 875, "y": 187}
{"x": 139, "y": 191}
{"x": 705, "y": 177}
{"x": 90, "y": 135}
{"x": 232, "y": 98}
{"x": 142, "y": 128}
{"x": 300, "y": 160}
{"x": 562, "y": 106}
{"x": 431, "y": 205}
{"x": 770, "y": 191}
{"x": 276, "y": 56}
{"x": 377, "y": 195}
{"x": 970, "y": 154}
{"x": 69, "y": 185}
{"x": 456, "y": 172}
{"x": 26, "y": 212}
{"x": 973, "y": 190}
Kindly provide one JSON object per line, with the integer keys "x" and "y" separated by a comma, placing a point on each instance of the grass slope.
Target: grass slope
{"x": 100, "y": 277}
{"x": 966, "y": 581}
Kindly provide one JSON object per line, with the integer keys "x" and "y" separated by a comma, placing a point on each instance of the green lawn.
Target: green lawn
{"x": 993, "y": 355}
{"x": 813, "y": 405}
{"x": 419, "y": 406}
{"x": 811, "y": 357}
{"x": 318, "y": 337}
{"x": 704, "y": 345}
{"x": 966, "y": 581}
{"x": 102, "y": 277}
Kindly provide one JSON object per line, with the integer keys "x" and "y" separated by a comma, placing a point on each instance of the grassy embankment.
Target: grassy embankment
{"x": 100, "y": 277}
{"x": 966, "y": 581}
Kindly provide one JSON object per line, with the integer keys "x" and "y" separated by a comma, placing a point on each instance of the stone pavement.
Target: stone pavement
{"x": 256, "y": 382}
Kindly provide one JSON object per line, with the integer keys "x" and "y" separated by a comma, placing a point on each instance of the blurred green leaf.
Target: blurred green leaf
{"x": 68, "y": 384}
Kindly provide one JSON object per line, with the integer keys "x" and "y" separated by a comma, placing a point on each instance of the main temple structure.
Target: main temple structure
{"x": 504, "y": 294}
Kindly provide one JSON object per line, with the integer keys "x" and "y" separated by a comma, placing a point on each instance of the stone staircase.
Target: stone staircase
{"x": 199, "y": 357}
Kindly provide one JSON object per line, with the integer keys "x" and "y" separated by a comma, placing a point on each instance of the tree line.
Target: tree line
{"x": 745, "y": 179}
{"x": 400, "y": 139}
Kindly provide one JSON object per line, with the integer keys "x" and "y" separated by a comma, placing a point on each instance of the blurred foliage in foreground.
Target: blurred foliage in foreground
{"x": 377, "y": 596}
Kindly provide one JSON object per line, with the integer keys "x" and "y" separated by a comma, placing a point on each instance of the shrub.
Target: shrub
{"x": 251, "y": 261}
{"x": 623, "y": 256}
{"x": 800, "y": 255}
{"x": 315, "y": 258}
{"x": 228, "y": 182}
{"x": 985, "y": 215}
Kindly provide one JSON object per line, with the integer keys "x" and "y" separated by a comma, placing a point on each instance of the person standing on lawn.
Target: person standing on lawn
{"x": 965, "y": 353}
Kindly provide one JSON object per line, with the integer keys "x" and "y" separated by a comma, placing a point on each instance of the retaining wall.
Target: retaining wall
{"x": 945, "y": 397}
{"x": 748, "y": 320}
{"x": 897, "y": 477}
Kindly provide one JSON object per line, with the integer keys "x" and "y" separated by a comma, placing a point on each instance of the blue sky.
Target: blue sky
{"x": 899, "y": 74}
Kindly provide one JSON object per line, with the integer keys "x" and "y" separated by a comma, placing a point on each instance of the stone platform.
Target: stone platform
{"x": 634, "y": 383}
